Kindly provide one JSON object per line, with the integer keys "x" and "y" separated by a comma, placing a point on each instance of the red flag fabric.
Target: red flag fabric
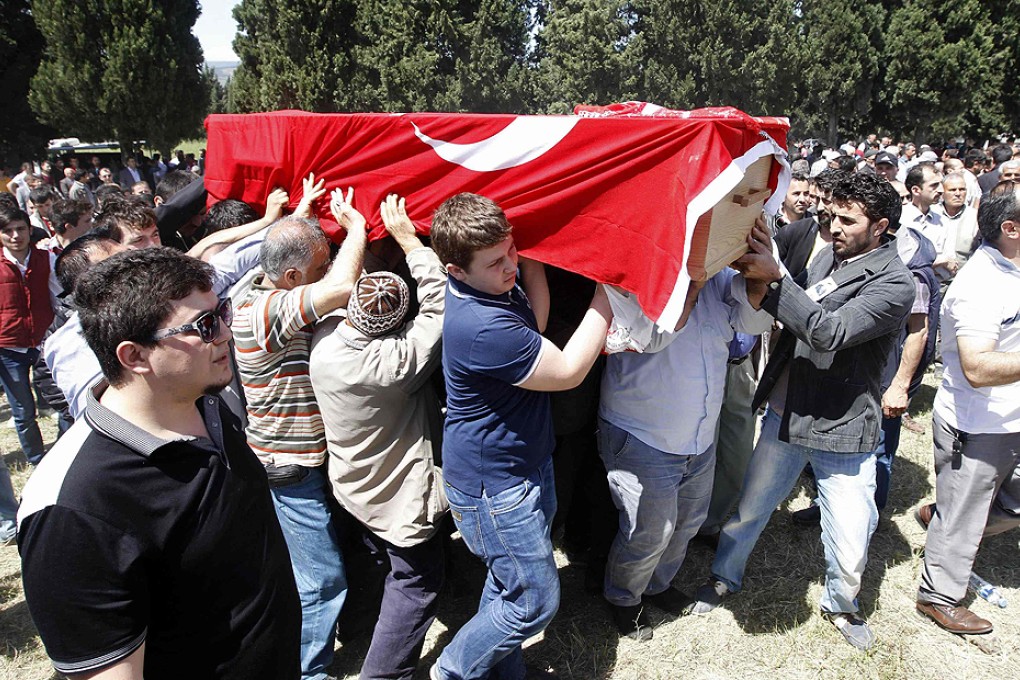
{"x": 610, "y": 194}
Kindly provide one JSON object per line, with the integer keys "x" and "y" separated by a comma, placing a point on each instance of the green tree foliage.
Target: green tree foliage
{"x": 918, "y": 67}
{"x": 944, "y": 74}
{"x": 385, "y": 55}
{"x": 584, "y": 54}
{"x": 696, "y": 53}
{"x": 1005, "y": 15}
{"x": 294, "y": 55}
{"x": 128, "y": 69}
{"x": 21, "y": 46}
{"x": 839, "y": 57}
{"x": 406, "y": 55}
{"x": 492, "y": 70}
{"x": 217, "y": 90}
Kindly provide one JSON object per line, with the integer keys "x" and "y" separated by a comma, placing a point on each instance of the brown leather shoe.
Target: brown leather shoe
{"x": 924, "y": 514}
{"x": 958, "y": 620}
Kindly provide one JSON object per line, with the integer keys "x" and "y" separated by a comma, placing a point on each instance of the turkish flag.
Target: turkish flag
{"x": 605, "y": 194}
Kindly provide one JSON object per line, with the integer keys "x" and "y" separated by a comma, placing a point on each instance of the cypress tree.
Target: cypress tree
{"x": 123, "y": 69}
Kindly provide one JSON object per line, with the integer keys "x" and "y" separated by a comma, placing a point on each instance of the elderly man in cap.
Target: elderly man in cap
{"x": 370, "y": 370}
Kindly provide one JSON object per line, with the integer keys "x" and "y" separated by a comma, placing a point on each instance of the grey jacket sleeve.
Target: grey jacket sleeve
{"x": 416, "y": 350}
{"x": 878, "y": 308}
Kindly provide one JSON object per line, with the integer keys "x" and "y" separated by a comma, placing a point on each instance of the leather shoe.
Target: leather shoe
{"x": 632, "y": 622}
{"x": 671, "y": 601}
{"x": 958, "y": 620}
{"x": 811, "y": 516}
{"x": 924, "y": 514}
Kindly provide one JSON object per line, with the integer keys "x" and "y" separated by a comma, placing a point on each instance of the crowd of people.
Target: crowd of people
{"x": 244, "y": 408}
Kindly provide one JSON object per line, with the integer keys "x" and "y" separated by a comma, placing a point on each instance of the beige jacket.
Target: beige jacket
{"x": 382, "y": 415}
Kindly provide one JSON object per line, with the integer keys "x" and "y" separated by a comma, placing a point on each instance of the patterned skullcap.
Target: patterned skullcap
{"x": 378, "y": 303}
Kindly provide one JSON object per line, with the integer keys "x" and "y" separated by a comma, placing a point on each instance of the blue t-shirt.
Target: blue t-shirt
{"x": 496, "y": 433}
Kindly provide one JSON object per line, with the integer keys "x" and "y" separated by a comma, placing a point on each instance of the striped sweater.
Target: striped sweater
{"x": 272, "y": 337}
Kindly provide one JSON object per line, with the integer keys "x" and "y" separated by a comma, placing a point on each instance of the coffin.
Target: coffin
{"x": 631, "y": 195}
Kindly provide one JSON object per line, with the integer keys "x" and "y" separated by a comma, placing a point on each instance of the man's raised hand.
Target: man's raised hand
{"x": 275, "y": 203}
{"x": 343, "y": 211}
{"x": 313, "y": 191}
{"x": 759, "y": 264}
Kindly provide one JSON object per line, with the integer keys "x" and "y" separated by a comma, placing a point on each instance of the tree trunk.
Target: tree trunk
{"x": 833, "y": 131}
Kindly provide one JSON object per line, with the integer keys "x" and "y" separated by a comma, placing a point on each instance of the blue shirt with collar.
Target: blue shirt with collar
{"x": 496, "y": 433}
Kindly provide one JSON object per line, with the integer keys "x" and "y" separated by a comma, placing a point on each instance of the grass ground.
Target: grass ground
{"x": 771, "y": 630}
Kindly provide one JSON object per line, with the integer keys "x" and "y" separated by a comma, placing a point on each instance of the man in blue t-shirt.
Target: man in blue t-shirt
{"x": 498, "y": 437}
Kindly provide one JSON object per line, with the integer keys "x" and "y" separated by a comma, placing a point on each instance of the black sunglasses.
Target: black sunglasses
{"x": 207, "y": 325}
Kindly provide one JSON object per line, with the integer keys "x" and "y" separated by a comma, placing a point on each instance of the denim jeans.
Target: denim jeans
{"x": 17, "y": 384}
{"x": 408, "y": 608}
{"x": 8, "y": 504}
{"x": 846, "y": 494}
{"x": 885, "y": 454}
{"x": 510, "y": 532}
{"x": 663, "y": 499}
{"x": 318, "y": 567}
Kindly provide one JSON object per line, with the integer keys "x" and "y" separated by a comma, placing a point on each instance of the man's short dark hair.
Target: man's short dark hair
{"x": 465, "y": 223}
{"x": 15, "y": 214}
{"x": 173, "y": 182}
{"x": 876, "y": 196}
{"x": 227, "y": 214}
{"x": 80, "y": 174}
{"x": 1001, "y": 153}
{"x": 107, "y": 193}
{"x": 76, "y": 258}
{"x": 915, "y": 176}
{"x": 7, "y": 200}
{"x": 973, "y": 157}
{"x": 828, "y": 178}
{"x": 127, "y": 212}
{"x": 41, "y": 194}
{"x": 996, "y": 208}
{"x": 130, "y": 296}
{"x": 847, "y": 164}
{"x": 68, "y": 211}
{"x": 895, "y": 209}
{"x": 799, "y": 177}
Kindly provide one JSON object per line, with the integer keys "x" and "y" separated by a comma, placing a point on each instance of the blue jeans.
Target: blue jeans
{"x": 885, "y": 454}
{"x": 510, "y": 532}
{"x": 8, "y": 504}
{"x": 17, "y": 384}
{"x": 318, "y": 567}
{"x": 663, "y": 500}
{"x": 846, "y": 494}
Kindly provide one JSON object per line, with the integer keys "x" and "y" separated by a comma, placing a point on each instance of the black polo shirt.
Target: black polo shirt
{"x": 126, "y": 538}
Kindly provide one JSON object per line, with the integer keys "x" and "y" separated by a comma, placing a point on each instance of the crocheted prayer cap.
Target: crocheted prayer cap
{"x": 378, "y": 303}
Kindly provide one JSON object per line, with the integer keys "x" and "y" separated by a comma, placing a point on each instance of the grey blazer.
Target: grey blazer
{"x": 836, "y": 349}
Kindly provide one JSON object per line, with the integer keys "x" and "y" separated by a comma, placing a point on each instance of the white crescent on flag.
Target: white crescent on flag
{"x": 522, "y": 141}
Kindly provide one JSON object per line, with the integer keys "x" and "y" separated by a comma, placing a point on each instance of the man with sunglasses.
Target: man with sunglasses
{"x": 148, "y": 538}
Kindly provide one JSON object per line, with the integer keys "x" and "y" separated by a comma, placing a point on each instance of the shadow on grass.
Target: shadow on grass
{"x": 789, "y": 558}
{"x": 998, "y": 561}
{"x": 17, "y": 631}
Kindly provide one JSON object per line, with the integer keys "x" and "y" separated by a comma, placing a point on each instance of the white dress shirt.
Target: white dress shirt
{"x": 670, "y": 396}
